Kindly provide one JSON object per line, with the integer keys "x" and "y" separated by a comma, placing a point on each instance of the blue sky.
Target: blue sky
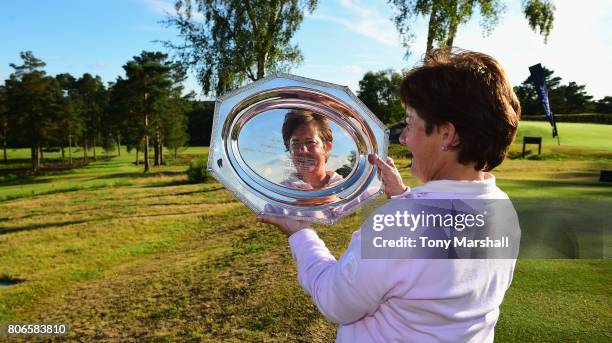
{"x": 340, "y": 41}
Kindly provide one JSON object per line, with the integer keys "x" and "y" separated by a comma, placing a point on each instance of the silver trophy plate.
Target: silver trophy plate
{"x": 296, "y": 147}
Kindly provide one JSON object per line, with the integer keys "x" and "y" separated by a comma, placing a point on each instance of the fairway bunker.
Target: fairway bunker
{"x": 6, "y": 281}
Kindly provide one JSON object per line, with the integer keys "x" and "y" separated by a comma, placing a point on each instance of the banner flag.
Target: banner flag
{"x": 537, "y": 76}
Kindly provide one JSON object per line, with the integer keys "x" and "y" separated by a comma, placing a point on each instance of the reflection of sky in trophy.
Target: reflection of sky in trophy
{"x": 262, "y": 148}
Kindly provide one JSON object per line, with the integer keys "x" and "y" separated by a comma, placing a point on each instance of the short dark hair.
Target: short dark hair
{"x": 296, "y": 118}
{"x": 471, "y": 91}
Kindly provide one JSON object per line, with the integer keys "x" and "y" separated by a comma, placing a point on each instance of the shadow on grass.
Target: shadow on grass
{"x": 563, "y": 184}
{"x": 24, "y": 166}
{"x": 60, "y": 190}
{"x": 184, "y": 193}
{"x": 6, "y": 230}
{"x": 584, "y": 175}
{"x": 7, "y": 281}
{"x": 139, "y": 174}
{"x": 168, "y": 184}
{"x": 14, "y": 180}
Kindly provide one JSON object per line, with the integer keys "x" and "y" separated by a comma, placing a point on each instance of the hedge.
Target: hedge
{"x": 599, "y": 118}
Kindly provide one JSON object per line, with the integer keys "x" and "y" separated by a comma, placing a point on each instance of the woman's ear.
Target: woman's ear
{"x": 449, "y": 136}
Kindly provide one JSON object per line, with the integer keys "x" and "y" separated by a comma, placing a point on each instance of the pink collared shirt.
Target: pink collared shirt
{"x": 406, "y": 300}
{"x": 296, "y": 183}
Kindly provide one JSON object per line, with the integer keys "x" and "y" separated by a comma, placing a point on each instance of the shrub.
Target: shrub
{"x": 196, "y": 172}
{"x": 396, "y": 151}
{"x": 598, "y": 118}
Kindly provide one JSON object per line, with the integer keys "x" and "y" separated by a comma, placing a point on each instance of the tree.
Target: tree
{"x": 118, "y": 113}
{"x": 3, "y": 121}
{"x": 30, "y": 65}
{"x": 526, "y": 93}
{"x": 90, "y": 92}
{"x": 446, "y": 16}
{"x": 238, "y": 39}
{"x": 71, "y": 122}
{"x": 175, "y": 121}
{"x": 604, "y": 105}
{"x": 379, "y": 91}
{"x": 574, "y": 98}
{"x": 200, "y": 122}
{"x": 149, "y": 83}
{"x": 570, "y": 98}
{"x": 124, "y": 112}
{"x": 33, "y": 104}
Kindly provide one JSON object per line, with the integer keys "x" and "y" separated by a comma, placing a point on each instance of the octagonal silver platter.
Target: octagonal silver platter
{"x": 250, "y": 156}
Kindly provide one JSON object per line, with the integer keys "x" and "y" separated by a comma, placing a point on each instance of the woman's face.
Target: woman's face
{"x": 308, "y": 152}
{"x": 425, "y": 148}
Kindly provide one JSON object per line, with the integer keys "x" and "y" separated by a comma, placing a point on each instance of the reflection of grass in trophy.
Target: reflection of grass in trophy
{"x": 153, "y": 257}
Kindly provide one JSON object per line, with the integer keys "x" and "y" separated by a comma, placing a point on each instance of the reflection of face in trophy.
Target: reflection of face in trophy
{"x": 308, "y": 139}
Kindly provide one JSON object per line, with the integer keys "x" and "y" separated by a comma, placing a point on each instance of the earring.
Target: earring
{"x": 444, "y": 148}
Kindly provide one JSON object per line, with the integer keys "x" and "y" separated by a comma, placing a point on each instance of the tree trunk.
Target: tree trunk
{"x": 41, "y": 156}
{"x": 69, "y": 148}
{"x": 451, "y": 37}
{"x": 63, "y": 155}
{"x": 158, "y": 148}
{"x": 431, "y": 29}
{"x": 161, "y": 154}
{"x": 118, "y": 144}
{"x": 156, "y": 153}
{"x": 261, "y": 65}
{"x": 85, "y": 157}
{"x": 94, "y": 147}
{"x": 33, "y": 152}
{"x": 452, "y": 29}
{"x": 137, "y": 161}
{"x": 4, "y": 141}
{"x": 35, "y": 157}
{"x": 38, "y": 157}
{"x": 4, "y": 148}
{"x": 146, "y": 146}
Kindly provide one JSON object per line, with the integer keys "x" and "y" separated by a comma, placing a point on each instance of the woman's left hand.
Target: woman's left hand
{"x": 391, "y": 178}
{"x": 286, "y": 225}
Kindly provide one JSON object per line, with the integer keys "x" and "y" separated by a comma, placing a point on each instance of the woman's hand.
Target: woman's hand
{"x": 286, "y": 225}
{"x": 391, "y": 178}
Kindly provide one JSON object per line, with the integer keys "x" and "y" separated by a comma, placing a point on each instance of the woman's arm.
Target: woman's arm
{"x": 345, "y": 290}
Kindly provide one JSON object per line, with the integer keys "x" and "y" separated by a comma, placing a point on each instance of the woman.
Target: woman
{"x": 308, "y": 138}
{"x": 461, "y": 117}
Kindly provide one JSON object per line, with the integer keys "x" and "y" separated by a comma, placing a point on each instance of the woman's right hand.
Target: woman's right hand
{"x": 391, "y": 178}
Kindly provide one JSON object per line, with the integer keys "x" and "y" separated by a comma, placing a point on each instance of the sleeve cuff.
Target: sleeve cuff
{"x": 401, "y": 195}
{"x": 299, "y": 237}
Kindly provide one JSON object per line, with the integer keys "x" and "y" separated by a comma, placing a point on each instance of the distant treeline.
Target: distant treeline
{"x": 597, "y": 118}
{"x": 380, "y": 92}
{"x": 145, "y": 109}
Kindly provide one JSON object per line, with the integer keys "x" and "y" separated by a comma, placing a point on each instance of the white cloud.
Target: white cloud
{"x": 365, "y": 21}
{"x": 578, "y": 48}
{"x": 53, "y": 58}
{"x": 167, "y": 7}
{"x": 97, "y": 66}
{"x": 151, "y": 28}
{"x": 160, "y": 6}
{"x": 352, "y": 69}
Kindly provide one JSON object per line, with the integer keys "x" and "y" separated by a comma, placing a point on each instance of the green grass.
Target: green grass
{"x": 121, "y": 255}
{"x": 579, "y": 135}
{"x": 118, "y": 171}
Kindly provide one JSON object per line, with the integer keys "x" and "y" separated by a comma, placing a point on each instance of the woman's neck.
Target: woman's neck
{"x": 458, "y": 172}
